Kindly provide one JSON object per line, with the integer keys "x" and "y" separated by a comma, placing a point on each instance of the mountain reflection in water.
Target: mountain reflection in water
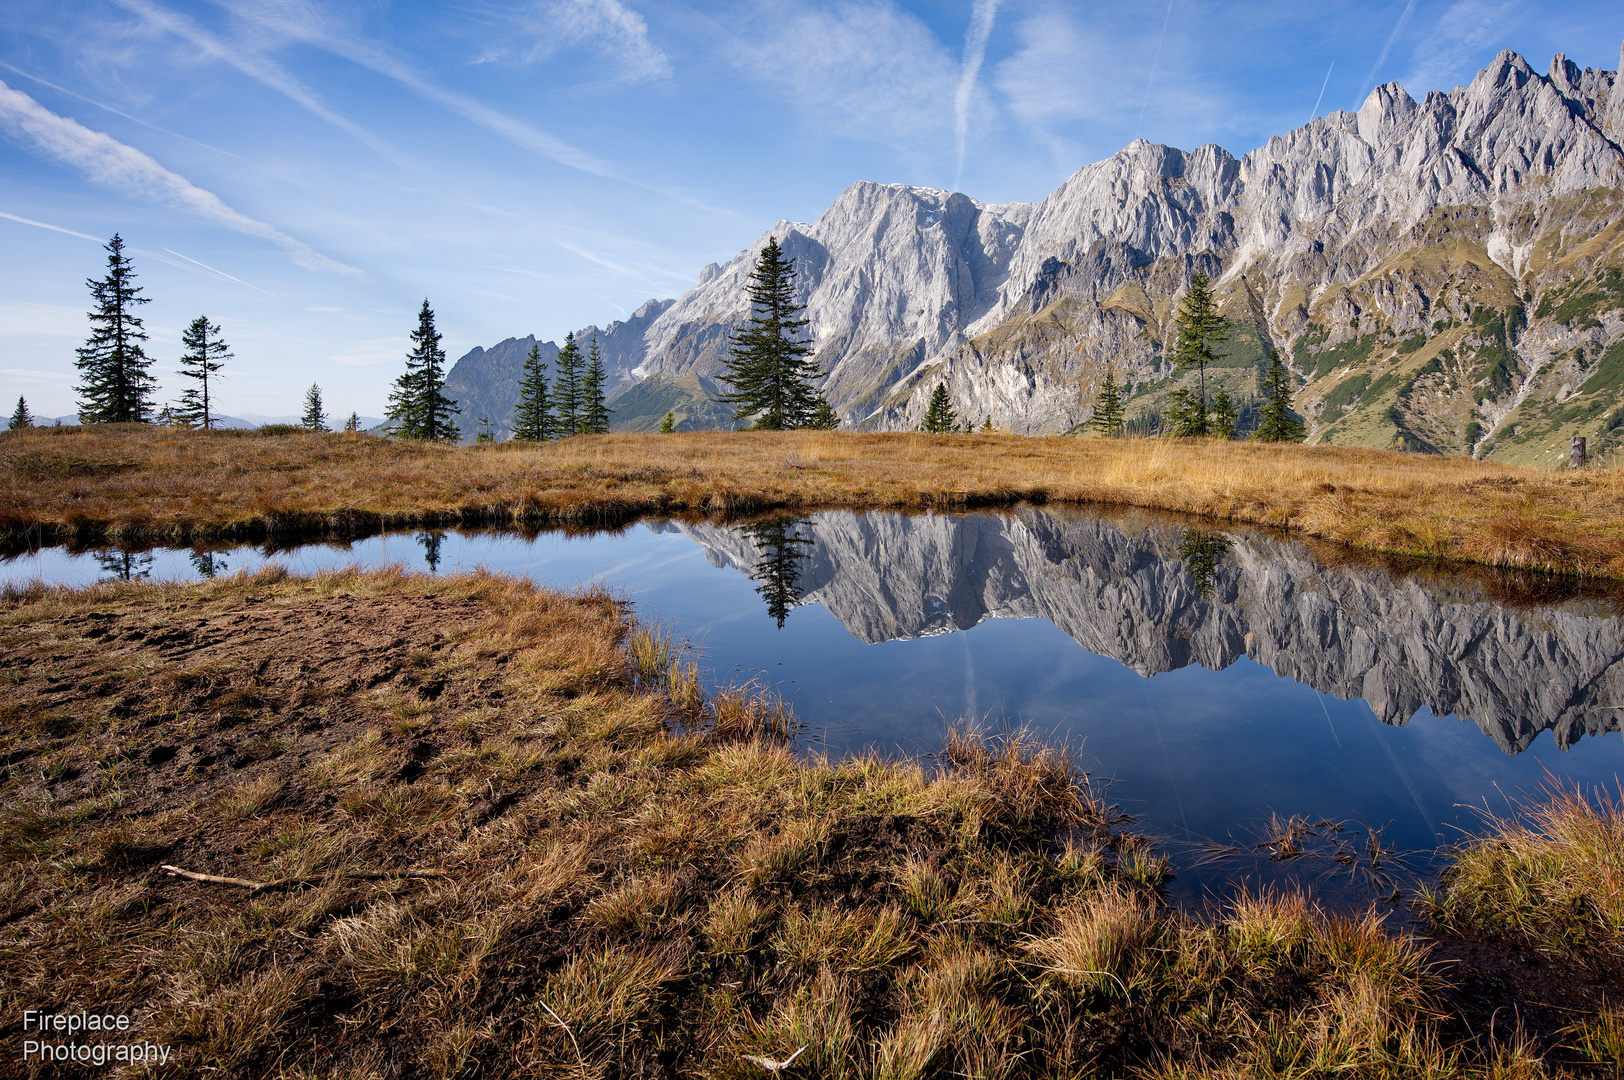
{"x": 1157, "y": 597}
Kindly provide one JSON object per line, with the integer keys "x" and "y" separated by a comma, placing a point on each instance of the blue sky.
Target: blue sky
{"x": 305, "y": 172}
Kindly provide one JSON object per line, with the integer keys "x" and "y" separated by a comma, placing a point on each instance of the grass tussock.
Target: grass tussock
{"x": 572, "y": 863}
{"x": 1551, "y": 874}
{"x": 136, "y": 483}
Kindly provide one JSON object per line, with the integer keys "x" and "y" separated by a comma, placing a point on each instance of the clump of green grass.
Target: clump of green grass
{"x": 1552, "y": 874}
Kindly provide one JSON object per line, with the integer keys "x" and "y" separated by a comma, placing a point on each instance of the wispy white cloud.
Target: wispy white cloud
{"x": 108, "y": 108}
{"x": 1451, "y": 51}
{"x": 613, "y": 30}
{"x": 871, "y": 72}
{"x": 255, "y": 66}
{"x": 982, "y": 14}
{"x": 106, "y": 161}
{"x": 1387, "y": 47}
{"x": 296, "y": 21}
{"x": 43, "y": 225}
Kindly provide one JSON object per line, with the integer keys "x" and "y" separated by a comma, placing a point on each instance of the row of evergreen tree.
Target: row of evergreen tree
{"x": 769, "y": 368}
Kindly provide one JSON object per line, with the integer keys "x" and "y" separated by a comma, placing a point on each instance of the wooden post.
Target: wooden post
{"x": 1576, "y": 452}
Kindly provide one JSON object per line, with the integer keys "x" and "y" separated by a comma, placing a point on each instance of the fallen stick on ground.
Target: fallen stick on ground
{"x": 283, "y": 883}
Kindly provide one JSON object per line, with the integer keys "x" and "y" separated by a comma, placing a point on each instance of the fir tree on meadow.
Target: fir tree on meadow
{"x": 567, "y": 386}
{"x": 21, "y": 418}
{"x": 986, "y": 426}
{"x": 533, "y": 416}
{"x": 205, "y": 354}
{"x": 1201, "y": 329}
{"x": 1276, "y": 420}
{"x": 940, "y": 417}
{"x": 769, "y": 361}
{"x": 669, "y": 424}
{"x": 353, "y": 424}
{"x": 116, "y": 387}
{"x": 1108, "y": 411}
{"x": 1225, "y": 414}
{"x": 824, "y": 417}
{"x": 314, "y": 418}
{"x": 418, "y": 406}
{"x": 593, "y": 414}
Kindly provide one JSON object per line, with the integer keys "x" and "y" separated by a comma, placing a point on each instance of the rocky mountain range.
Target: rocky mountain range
{"x": 1125, "y": 589}
{"x": 1441, "y": 275}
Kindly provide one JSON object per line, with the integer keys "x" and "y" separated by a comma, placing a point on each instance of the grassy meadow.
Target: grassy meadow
{"x": 369, "y": 824}
{"x": 134, "y": 483}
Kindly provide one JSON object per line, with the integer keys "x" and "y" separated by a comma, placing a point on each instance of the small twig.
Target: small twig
{"x": 975, "y": 919}
{"x": 579, "y": 1056}
{"x": 284, "y": 883}
{"x": 774, "y": 1066}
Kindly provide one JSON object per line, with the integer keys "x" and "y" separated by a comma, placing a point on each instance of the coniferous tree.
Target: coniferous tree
{"x": 781, "y": 549}
{"x": 769, "y": 362}
{"x": 1108, "y": 411}
{"x": 669, "y": 424}
{"x": 533, "y": 419}
{"x": 22, "y": 417}
{"x": 1201, "y": 329}
{"x": 116, "y": 386}
{"x": 1224, "y": 415}
{"x": 418, "y": 406}
{"x": 204, "y": 356}
{"x": 314, "y": 418}
{"x": 1276, "y": 421}
{"x": 353, "y": 424}
{"x": 567, "y": 386}
{"x": 986, "y": 426}
{"x": 824, "y": 417}
{"x": 594, "y": 415}
{"x": 940, "y": 417}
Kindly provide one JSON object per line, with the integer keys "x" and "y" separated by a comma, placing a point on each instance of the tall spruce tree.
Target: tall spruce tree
{"x": 204, "y": 356}
{"x": 21, "y": 418}
{"x": 314, "y": 418}
{"x": 418, "y": 406}
{"x": 567, "y": 386}
{"x": 594, "y": 415}
{"x": 1276, "y": 420}
{"x": 769, "y": 361}
{"x": 533, "y": 417}
{"x": 940, "y": 417}
{"x": 1201, "y": 330}
{"x": 1108, "y": 411}
{"x": 116, "y": 387}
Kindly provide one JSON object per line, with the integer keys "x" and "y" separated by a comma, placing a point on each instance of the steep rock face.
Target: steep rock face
{"x": 890, "y": 275}
{"x": 1125, "y": 593}
{"x": 1440, "y": 274}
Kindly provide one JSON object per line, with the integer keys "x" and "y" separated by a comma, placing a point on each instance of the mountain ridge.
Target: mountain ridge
{"x": 1484, "y": 221}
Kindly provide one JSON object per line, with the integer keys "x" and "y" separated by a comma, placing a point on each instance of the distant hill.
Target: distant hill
{"x": 689, "y": 398}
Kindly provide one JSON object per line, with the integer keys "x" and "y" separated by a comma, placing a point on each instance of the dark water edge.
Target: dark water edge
{"x": 1268, "y": 709}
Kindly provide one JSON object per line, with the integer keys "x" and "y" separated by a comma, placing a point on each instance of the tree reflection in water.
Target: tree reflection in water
{"x": 781, "y": 550}
{"x": 207, "y": 563}
{"x": 1202, "y": 553}
{"x": 123, "y": 566}
{"x": 431, "y": 548}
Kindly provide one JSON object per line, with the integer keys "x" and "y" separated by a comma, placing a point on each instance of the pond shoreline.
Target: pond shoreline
{"x": 511, "y": 795}
{"x": 138, "y": 484}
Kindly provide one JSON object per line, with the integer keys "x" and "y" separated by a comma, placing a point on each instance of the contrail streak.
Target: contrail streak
{"x": 1150, "y": 81}
{"x": 1321, "y": 97}
{"x": 1370, "y": 80}
{"x": 982, "y": 14}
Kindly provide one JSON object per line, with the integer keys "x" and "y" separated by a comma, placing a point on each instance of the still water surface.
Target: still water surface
{"x": 1215, "y": 680}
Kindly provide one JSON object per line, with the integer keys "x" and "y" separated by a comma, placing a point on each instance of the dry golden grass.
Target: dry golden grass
{"x": 143, "y": 483}
{"x": 574, "y": 864}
